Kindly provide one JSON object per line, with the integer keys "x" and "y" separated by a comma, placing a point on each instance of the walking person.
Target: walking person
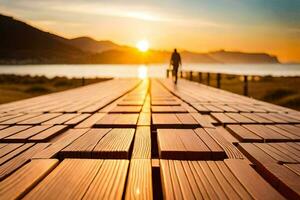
{"x": 175, "y": 62}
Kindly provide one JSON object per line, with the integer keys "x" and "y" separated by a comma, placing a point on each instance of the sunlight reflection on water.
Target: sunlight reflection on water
{"x": 143, "y": 72}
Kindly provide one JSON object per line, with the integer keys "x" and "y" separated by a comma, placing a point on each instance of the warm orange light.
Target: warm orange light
{"x": 143, "y": 72}
{"x": 143, "y": 45}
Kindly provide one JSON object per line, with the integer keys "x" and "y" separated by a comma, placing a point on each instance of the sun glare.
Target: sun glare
{"x": 143, "y": 72}
{"x": 143, "y": 45}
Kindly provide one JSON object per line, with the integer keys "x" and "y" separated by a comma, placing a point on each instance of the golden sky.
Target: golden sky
{"x": 271, "y": 26}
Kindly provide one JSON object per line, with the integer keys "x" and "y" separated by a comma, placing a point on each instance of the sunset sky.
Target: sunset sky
{"x": 271, "y": 26}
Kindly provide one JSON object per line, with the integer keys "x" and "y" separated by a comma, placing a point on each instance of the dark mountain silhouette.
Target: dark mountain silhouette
{"x": 21, "y": 43}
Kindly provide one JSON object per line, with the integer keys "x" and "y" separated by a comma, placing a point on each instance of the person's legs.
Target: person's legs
{"x": 176, "y": 75}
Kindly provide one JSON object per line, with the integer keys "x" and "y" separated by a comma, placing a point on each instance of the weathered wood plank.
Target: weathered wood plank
{"x": 139, "y": 184}
{"x": 83, "y": 146}
{"x": 24, "y": 135}
{"x": 118, "y": 121}
{"x": 16, "y": 162}
{"x": 89, "y": 122}
{"x": 142, "y": 143}
{"x": 49, "y": 133}
{"x": 51, "y": 151}
{"x": 12, "y": 130}
{"x": 254, "y": 183}
{"x": 115, "y": 144}
{"x": 70, "y": 180}
{"x": 26, "y": 178}
{"x": 243, "y": 134}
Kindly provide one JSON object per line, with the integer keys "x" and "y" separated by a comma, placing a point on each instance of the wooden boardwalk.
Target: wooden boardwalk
{"x": 133, "y": 139}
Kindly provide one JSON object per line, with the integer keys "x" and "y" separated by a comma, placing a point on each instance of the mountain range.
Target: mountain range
{"x": 21, "y": 43}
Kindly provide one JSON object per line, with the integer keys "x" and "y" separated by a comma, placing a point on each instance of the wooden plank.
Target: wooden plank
{"x": 253, "y": 183}
{"x": 9, "y": 148}
{"x": 70, "y": 136}
{"x": 168, "y": 109}
{"x": 126, "y": 109}
{"x": 89, "y": 122}
{"x": 185, "y": 118}
{"x": 290, "y": 128}
{"x": 166, "y": 179}
{"x": 39, "y": 119}
{"x": 255, "y": 154}
{"x": 212, "y": 178}
{"x": 24, "y": 135}
{"x": 70, "y": 180}
{"x": 130, "y": 103}
{"x": 278, "y": 153}
{"x": 269, "y": 116}
{"x": 217, "y": 152}
{"x": 10, "y": 116}
{"x": 286, "y": 181}
{"x": 286, "y": 118}
{"x": 240, "y": 118}
{"x": 115, "y": 144}
{"x": 165, "y": 120}
{"x": 257, "y": 118}
{"x": 118, "y": 121}
{"x": 12, "y": 130}
{"x": 139, "y": 184}
{"x": 2, "y": 145}
{"x": 20, "y": 118}
{"x": 144, "y": 119}
{"x": 3, "y": 126}
{"x": 61, "y": 119}
{"x": 226, "y": 135}
{"x": 49, "y": 133}
{"x": 213, "y": 108}
{"x": 200, "y": 180}
{"x": 83, "y": 146}
{"x": 224, "y": 119}
{"x": 77, "y": 119}
{"x": 267, "y": 134}
{"x": 229, "y": 148}
{"x": 181, "y": 144}
{"x": 109, "y": 182}
{"x": 26, "y": 178}
{"x": 285, "y": 133}
{"x": 243, "y": 134}
{"x": 227, "y": 108}
{"x": 10, "y": 166}
{"x": 202, "y": 120}
{"x": 15, "y": 152}
{"x": 142, "y": 143}
{"x": 200, "y": 108}
{"x": 232, "y": 180}
{"x": 165, "y": 103}
{"x": 294, "y": 167}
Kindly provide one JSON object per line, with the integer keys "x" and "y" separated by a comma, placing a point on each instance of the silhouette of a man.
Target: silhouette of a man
{"x": 175, "y": 62}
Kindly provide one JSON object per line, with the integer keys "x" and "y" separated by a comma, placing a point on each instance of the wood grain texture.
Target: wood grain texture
{"x": 16, "y": 162}
{"x": 115, "y": 144}
{"x": 142, "y": 143}
{"x": 139, "y": 184}
{"x": 213, "y": 180}
{"x": 57, "y": 146}
{"x": 26, "y": 178}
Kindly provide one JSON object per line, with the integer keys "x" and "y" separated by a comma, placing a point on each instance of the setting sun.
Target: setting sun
{"x": 143, "y": 45}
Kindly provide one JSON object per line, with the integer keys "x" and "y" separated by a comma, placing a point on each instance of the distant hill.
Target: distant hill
{"x": 21, "y": 43}
{"x": 90, "y": 45}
